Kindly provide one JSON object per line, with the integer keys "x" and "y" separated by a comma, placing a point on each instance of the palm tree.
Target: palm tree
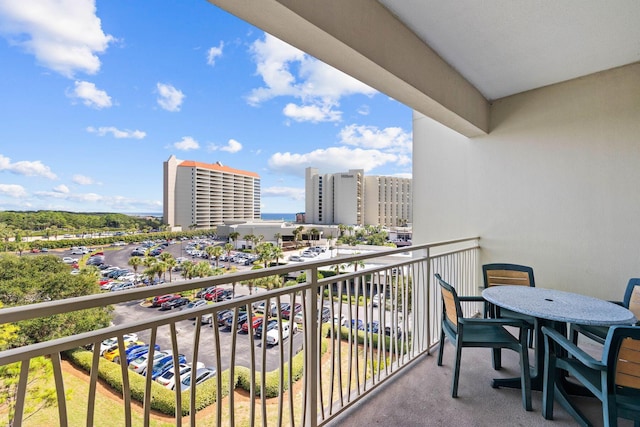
{"x": 21, "y": 247}
{"x": 342, "y": 229}
{"x": 171, "y": 263}
{"x": 297, "y": 235}
{"x": 248, "y": 238}
{"x": 188, "y": 270}
{"x": 215, "y": 252}
{"x": 313, "y": 233}
{"x": 278, "y": 238}
{"x": 265, "y": 253}
{"x": 135, "y": 262}
{"x": 234, "y": 238}
{"x": 203, "y": 269}
{"x": 277, "y": 254}
{"x": 228, "y": 247}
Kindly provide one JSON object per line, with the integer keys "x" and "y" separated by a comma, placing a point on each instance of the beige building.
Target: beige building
{"x": 204, "y": 195}
{"x": 355, "y": 199}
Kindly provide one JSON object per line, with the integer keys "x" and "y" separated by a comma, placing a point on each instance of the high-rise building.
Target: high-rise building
{"x": 203, "y": 195}
{"x": 353, "y": 198}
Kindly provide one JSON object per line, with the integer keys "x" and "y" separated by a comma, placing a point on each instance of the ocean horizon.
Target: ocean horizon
{"x": 291, "y": 217}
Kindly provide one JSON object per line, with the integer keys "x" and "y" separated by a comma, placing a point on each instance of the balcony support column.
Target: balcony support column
{"x": 311, "y": 349}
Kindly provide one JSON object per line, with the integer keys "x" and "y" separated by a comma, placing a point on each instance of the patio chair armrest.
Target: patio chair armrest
{"x": 503, "y": 321}
{"x": 572, "y": 349}
{"x": 471, "y": 298}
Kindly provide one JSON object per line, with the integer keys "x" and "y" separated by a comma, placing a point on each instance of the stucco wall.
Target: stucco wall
{"x": 555, "y": 185}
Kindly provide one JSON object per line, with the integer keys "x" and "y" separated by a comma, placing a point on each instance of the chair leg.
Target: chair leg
{"x": 441, "y": 349}
{"x": 548, "y": 387}
{"x": 526, "y": 377}
{"x": 497, "y": 358}
{"x": 456, "y": 370}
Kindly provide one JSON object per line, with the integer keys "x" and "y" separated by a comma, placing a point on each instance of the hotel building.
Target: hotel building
{"x": 355, "y": 199}
{"x": 204, "y": 195}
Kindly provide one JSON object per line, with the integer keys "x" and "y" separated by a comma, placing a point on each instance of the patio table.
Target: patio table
{"x": 553, "y": 308}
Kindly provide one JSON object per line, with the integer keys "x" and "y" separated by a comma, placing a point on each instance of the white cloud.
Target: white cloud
{"x": 82, "y": 180}
{"x": 213, "y": 53}
{"x": 232, "y": 146}
{"x": 61, "y": 189}
{"x": 186, "y": 143}
{"x": 288, "y": 192}
{"x": 13, "y": 190}
{"x": 333, "y": 159}
{"x": 63, "y": 35}
{"x": 117, "y": 133}
{"x": 91, "y": 96}
{"x": 67, "y": 201}
{"x": 364, "y": 110}
{"x": 312, "y": 113}
{"x": 287, "y": 71}
{"x": 27, "y": 168}
{"x": 169, "y": 98}
{"x": 392, "y": 139}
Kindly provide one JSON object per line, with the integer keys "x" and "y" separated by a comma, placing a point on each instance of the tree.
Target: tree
{"x": 313, "y": 233}
{"x": 21, "y": 247}
{"x": 234, "y": 238}
{"x": 265, "y": 253}
{"x": 171, "y": 263}
{"x": 248, "y": 238}
{"x": 188, "y": 270}
{"x": 203, "y": 269}
{"x": 135, "y": 262}
{"x": 5, "y": 233}
{"x": 278, "y": 237}
{"x": 277, "y": 254}
{"x": 39, "y": 396}
{"x": 228, "y": 247}
{"x": 215, "y": 252}
{"x": 342, "y": 229}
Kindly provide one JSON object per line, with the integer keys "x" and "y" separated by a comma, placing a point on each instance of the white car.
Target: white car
{"x": 69, "y": 260}
{"x": 139, "y": 364}
{"x": 112, "y": 341}
{"x": 377, "y": 299}
{"x": 202, "y": 374}
{"x": 273, "y": 335}
{"x": 168, "y": 379}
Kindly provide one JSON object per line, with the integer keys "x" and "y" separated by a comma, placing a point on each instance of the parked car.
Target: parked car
{"x": 215, "y": 294}
{"x": 157, "y": 301}
{"x": 135, "y": 352}
{"x": 69, "y": 260}
{"x": 357, "y": 324}
{"x": 138, "y": 252}
{"x": 122, "y": 286}
{"x": 114, "y": 351}
{"x": 258, "y": 307}
{"x": 255, "y": 322}
{"x": 271, "y": 324}
{"x": 177, "y": 302}
{"x": 273, "y": 336}
{"x": 163, "y": 365}
{"x": 296, "y": 258}
{"x": 223, "y": 315}
{"x": 168, "y": 379}
{"x": 242, "y": 317}
{"x": 377, "y": 299}
{"x": 111, "y": 341}
{"x": 202, "y": 374}
{"x": 201, "y": 293}
{"x": 139, "y": 364}
{"x": 288, "y": 312}
{"x": 194, "y": 304}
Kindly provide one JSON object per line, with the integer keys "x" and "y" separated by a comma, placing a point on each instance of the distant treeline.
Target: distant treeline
{"x": 60, "y": 220}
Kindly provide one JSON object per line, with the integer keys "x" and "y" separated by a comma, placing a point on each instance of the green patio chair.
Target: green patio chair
{"x": 501, "y": 274}
{"x": 478, "y": 332}
{"x": 631, "y": 301}
{"x": 615, "y": 380}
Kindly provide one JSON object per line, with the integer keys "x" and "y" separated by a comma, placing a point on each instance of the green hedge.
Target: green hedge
{"x": 163, "y": 399}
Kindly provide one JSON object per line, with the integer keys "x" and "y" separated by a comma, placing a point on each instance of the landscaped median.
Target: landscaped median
{"x": 163, "y": 399}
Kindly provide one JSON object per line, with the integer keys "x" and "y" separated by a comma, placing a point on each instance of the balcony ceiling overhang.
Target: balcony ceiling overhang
{"x": 450, "y": 60}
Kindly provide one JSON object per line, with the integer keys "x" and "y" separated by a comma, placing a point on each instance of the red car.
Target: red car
{"x": 255, "y": 322}
{"x": 157, "y": 301}
{"x": 214, "y": 294}
{"x": 286, "y": 311}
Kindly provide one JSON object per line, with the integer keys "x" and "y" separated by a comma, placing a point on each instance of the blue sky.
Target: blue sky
{"x": 96, "y": 95}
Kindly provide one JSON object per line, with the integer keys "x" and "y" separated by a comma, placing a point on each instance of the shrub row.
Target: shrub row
{"x": 163, "y": 399}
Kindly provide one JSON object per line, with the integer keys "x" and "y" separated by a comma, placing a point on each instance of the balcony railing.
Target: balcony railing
{"x": 307, "y": 378}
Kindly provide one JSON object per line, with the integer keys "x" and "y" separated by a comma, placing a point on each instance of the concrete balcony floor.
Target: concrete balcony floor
{"x": 421, "y": 396}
